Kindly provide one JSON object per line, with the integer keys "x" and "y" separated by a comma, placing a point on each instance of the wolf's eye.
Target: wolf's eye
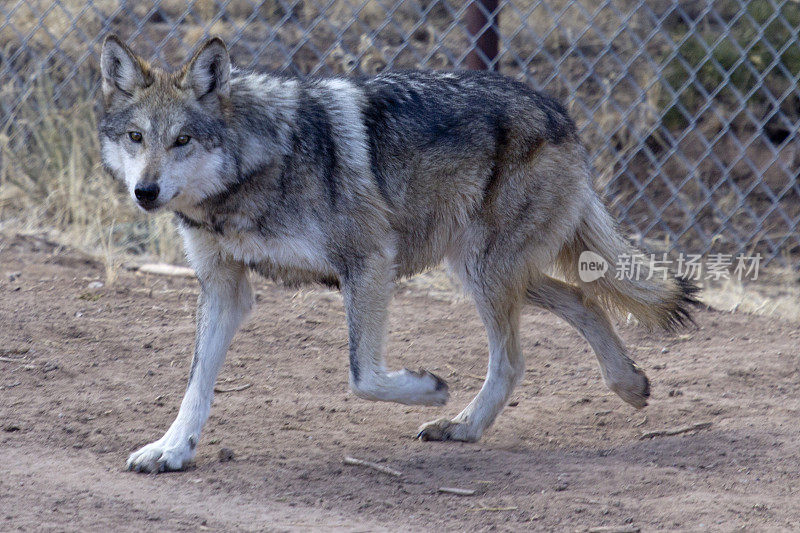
{"x": 182, "y": 140}
{"x": 135, "y": 136}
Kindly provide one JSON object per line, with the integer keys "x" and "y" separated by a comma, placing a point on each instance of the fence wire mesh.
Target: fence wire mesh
{"x": 690, "y": 109}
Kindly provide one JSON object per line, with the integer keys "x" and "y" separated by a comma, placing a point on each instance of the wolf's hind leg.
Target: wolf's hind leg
{"x": 367, "y": 291}
{"x": 619, "y": 372}
{"x": 506, "y": 368}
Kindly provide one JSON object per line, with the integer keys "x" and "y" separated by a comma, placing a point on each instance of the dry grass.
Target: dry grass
{"x": 775, "y": 294}
{"x": 50, "y": 177}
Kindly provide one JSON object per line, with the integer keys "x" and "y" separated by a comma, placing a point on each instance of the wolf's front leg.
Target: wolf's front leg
{"x": 225, "y": 298}
{"x": 367, "y": 290}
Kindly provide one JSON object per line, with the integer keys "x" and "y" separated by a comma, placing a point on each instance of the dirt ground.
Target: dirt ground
{"x": 88, "y": 374}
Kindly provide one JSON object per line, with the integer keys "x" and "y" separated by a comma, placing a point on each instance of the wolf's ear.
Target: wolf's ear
{"x": 122, "y": 71}
{"x": 209, "y": 71}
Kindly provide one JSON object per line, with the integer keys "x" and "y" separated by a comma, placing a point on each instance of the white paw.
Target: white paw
{"x": 404, "y": 386}
{"x": 428, "y": 388}
{"x": 163, "y": 455}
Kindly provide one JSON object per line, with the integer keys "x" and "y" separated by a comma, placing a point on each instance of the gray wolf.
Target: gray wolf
{"x": 356, "y": 183}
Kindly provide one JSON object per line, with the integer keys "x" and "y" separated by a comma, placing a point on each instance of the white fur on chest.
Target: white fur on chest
{"x": 303, "y": 251}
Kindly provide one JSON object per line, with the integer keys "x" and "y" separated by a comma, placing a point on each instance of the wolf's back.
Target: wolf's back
{"x": 433, "y": 104}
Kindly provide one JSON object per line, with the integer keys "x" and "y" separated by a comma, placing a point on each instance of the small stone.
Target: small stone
{"x": 664, "y": 350}
{"x": 95, "y": 285}
{"x": 225, "y": 455}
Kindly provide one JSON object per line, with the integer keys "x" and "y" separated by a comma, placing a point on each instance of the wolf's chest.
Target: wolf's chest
{"x": 304, "y": 250}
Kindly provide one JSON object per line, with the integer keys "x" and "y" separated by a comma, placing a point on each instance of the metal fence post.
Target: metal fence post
{"x": 485, "y": 32}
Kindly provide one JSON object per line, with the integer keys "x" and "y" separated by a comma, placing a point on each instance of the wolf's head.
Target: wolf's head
{"x": 164, "y": 134}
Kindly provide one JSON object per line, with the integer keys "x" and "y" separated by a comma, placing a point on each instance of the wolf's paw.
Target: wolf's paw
{"x": 404, "y": 386}
{"x": 633, "y": 387}
{"x": 432, "y": 390}
{"x": 446, "y": 429}
{"x": 164, "y": 455}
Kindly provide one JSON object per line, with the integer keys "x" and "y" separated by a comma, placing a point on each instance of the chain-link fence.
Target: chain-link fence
{"x": 690, "y": 109}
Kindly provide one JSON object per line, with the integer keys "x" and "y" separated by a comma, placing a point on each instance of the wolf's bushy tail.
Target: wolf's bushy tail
{"x": 655, "y": 302}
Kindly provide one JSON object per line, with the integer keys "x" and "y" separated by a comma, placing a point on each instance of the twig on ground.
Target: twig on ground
{"x": 614, "y": 529}
{"x": 12, "y": 359}
{"x": 457, "y": 491}
{"x": 352, "y": 461}
{"x": 163, "y": 269}
{"x": 676, "y": 431}
{"x": 234, "y": 389}
{"x": 494, "y": 509}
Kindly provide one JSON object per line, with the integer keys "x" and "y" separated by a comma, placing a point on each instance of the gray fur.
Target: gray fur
{"x": 358, "y": 182}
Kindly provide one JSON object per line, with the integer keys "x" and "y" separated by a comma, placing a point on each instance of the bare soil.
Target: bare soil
{"x": 88, "y": 374}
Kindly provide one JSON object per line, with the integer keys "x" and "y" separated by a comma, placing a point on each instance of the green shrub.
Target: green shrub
{"x": 715, "y": 53}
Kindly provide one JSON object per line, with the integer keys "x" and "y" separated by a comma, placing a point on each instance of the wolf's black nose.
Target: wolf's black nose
{"x": 146, "y": 193}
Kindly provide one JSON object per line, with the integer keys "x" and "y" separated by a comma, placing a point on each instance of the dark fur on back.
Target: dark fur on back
{"x": 478, "y": 111}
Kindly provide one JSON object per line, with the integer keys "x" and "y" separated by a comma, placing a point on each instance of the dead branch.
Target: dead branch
{"x": 457, "y": 491}
{"x": 614, "y": 529}
{"x": 352, "y": 461}
{"x": 163, "y": 269}
{"x": 676, "y": 431}
{"x": 234, "y": 389}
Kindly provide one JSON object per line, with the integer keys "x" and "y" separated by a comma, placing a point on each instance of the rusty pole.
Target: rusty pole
{"x": 486, "y": 40}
